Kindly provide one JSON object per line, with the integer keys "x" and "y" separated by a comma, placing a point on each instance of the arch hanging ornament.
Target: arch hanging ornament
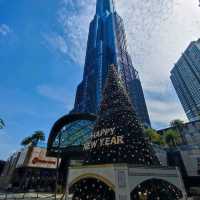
{"x": 154, "y": 189}
{"x": 118, "y": 136}
{"x": 90, "y": 189}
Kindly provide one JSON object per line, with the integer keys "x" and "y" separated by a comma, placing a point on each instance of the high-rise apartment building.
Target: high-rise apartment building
{"x": 185, "y": 77}
{"x": 107, "y": 45}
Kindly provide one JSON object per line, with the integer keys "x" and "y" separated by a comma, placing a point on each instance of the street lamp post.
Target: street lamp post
{"x": 57, "y": 165}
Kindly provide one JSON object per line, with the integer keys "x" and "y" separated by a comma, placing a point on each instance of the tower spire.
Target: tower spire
{"x": 104, "y": 6}
{"x": 107, "y": 45}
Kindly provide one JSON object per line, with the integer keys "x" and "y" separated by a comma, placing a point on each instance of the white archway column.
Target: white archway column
{"x": 122, "y": 183}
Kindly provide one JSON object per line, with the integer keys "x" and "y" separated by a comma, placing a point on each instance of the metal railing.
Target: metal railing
{"x": 27, "y": 196}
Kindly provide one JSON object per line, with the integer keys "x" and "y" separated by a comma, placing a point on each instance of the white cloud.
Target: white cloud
{"x": 55, "y": 93}
{"x": 163, "y": 104}
{"x": 58, "y": 42}
{"x": 5, "y": 29}
{"x": 162, "y": 112}
{"x": 158, "y": 31}
{"x": 74, "y": 17}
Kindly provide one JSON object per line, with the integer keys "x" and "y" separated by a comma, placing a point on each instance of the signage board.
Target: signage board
{"x": 39, "y": 159}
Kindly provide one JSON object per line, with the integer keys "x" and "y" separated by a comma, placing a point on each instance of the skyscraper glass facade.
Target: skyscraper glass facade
{"x": 185, "y": 77}
{"x": 107, "y": 45}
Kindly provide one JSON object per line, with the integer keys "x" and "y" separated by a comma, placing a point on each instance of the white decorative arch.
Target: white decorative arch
{"x": 142, "y": 180}
{"x": 143, "y": 174}
{"x": 95, "y": 176}
{"x": 158, "y": 179}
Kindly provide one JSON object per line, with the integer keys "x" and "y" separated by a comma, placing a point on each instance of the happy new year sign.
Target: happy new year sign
{"x": 104, "y": 137}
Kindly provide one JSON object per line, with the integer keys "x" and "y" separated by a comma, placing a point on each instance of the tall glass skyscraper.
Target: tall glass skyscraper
{"x": 185, "y": 77}
{"x": 107, "y": 45}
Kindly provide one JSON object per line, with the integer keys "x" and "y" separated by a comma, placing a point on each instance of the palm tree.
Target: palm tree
{"x": 38, "y": 136}
{"x": 2, "y": 124}
{"x": 26, "y": 141}
{"x": 34, "y": 139}
{"x": 178, "y": 125}
{"x": 154, "y": 136}
{"x": 172, "y": 138}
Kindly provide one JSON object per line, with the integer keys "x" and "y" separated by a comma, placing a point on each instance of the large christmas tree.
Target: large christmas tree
{"x": 118, "y": 136}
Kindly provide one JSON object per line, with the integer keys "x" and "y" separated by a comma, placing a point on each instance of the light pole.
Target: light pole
{"x": 67, "y": 196}
{"x": 57, "y": 165}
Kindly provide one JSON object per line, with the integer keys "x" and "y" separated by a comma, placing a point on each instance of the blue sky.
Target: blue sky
{"x": 42, "y": 49}
{"x": 37, "y": 82}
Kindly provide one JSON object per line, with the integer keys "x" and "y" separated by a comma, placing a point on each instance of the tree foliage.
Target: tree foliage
{"x": 2, "y": 124}
{"x": 34, "y": 139}
{"x": 38, "y": 136}
{"x": 172, "y": 138}
{"x": 154, "y": 136}
{"x": 177, "y": 123}
{"x": 26, "y": 141}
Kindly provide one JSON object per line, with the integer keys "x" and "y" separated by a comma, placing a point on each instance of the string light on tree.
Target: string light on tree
{"x": 118, "y": 137}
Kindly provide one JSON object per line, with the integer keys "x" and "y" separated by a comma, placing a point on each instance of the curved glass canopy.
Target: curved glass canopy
{"x": 70, "y": 133}
{"x": 73, "y": 134}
